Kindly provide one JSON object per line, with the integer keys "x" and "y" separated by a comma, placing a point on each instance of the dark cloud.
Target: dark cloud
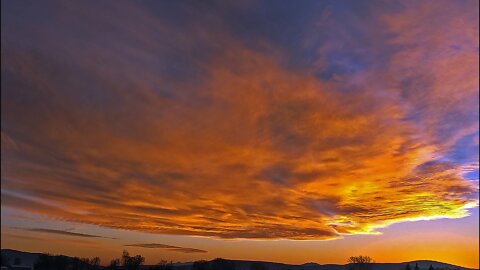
{"x": 168, "y": 247}
{"x": 61, "y": 232}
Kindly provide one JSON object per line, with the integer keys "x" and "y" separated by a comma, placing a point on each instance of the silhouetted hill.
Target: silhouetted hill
{"x": 20, "y": 258}
{"x": 28, "y": 259}
{"x": 423, "y": 265}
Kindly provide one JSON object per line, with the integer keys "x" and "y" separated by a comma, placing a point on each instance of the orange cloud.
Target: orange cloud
{"x": 251, "y": 148}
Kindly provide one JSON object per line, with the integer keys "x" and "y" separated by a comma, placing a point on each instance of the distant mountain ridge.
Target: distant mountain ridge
{"x": 422, "y": 264}
{"x": 27, "y": 260}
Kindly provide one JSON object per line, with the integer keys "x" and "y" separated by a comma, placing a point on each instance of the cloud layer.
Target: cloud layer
{"x": 309, "y": 128}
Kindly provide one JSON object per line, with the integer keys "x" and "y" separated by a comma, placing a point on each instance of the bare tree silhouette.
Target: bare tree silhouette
{"x": 132, "y": 263}
{"x": 360, "y": 263}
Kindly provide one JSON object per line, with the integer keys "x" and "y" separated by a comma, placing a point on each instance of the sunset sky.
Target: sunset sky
{"x": 288, "y": 131}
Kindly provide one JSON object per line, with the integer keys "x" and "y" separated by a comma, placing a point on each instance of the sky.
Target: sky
{"x": 288, "y": 131}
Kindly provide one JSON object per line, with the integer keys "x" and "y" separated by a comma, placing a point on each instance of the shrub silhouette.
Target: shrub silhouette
{"x": 132, "y": 263}
{"x": 163, "y": 265}
{"x": 200, "y": 265}
{"x": 50, "y": 262}
{"x": 408, "y": 267}
{"x": 114, "y": 264}
{"x": 360, "y": 263}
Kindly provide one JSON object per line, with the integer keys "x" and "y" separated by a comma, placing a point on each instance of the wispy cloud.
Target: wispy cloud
{"x": 353, "y": 123}
{"x": 61, "y": 232}
{"x": 168, "y": 247}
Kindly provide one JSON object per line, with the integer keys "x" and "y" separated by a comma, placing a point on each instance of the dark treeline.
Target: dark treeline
{"x": 60, "y": 262}
{"x": 125, "y": 262}
{"x": 407, "y": 267}
{"x": 128, "y": 262}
